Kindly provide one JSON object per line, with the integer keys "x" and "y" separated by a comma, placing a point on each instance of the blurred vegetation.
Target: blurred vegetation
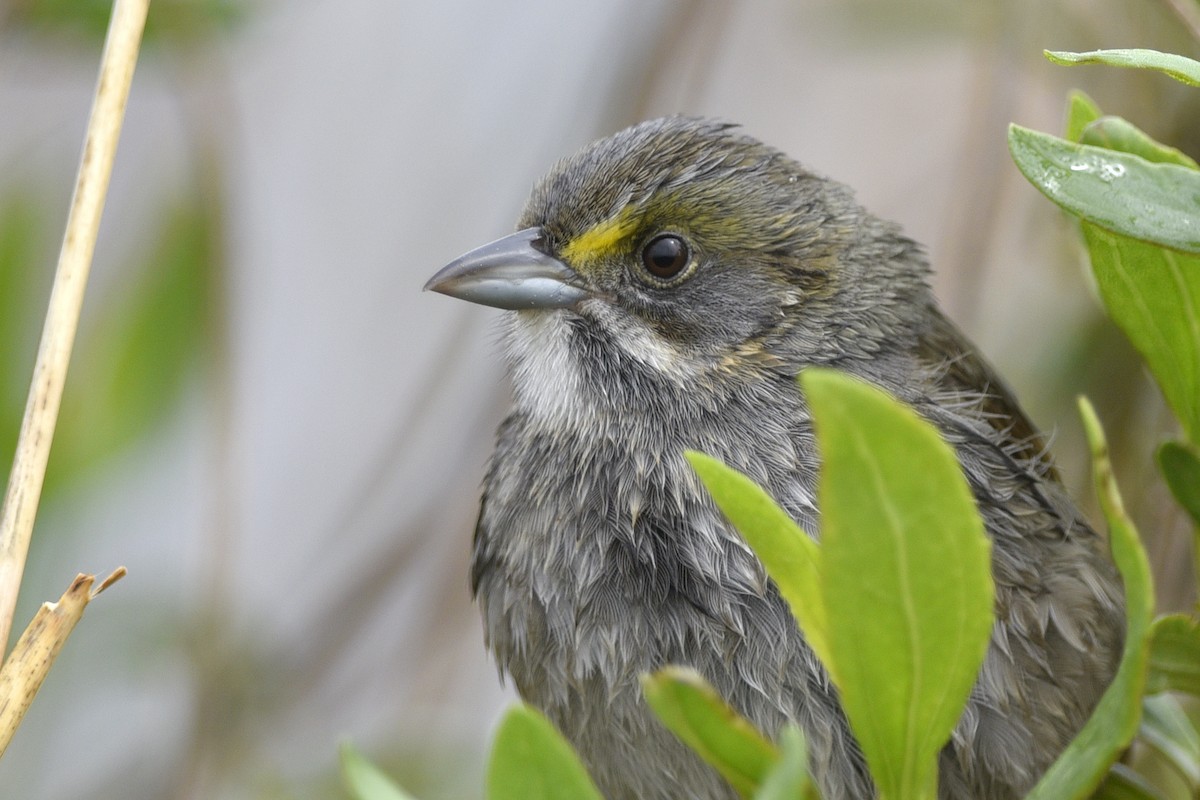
{"x": 132, "y": 360}
{"x": 175, "y": 23}
{"x": 156, "y": 330}
{"x": 135, "y": 353}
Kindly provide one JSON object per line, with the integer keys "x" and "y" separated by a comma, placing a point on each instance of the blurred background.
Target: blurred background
{"x": 282, "y": 437}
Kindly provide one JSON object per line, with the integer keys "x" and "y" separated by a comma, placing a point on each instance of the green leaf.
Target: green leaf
{"x": 364, "y": 780}
{"x": 1180, "y": 465}
{"x": 532, "y": 761}
{"x": 1117, "y": 134}
{"x": 1122, "y": 783}
{"x": 1153, "y": 294}
{"x": 790, "y": 555}
{"x": 906, "y": 577}
{"x": 1181, "y": 69}
{"x": 694, "y": 712}
{"x": 1119, "y": 192}
{"x": 1175, "y": 655}
{"x": 1166, "y": 728}
{"x": 1081, "y": 112}
{"x": 788, "y": 779}
{"x": 1082, "y": 766}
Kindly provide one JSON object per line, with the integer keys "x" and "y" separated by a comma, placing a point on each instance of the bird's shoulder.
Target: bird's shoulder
{"x": 963, "y": 378}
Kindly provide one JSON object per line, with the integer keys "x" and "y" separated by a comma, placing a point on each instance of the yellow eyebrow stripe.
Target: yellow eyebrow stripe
{"x": 600, "y": 239}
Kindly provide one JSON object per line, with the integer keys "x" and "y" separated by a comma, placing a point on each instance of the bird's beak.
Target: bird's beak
{"x": 511, "y": 273}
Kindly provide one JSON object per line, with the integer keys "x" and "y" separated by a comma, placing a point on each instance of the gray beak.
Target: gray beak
{"x": 511, "y": 273}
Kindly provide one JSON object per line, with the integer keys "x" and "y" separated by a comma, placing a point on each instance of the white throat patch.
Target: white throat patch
{"x": 546, "y": 376}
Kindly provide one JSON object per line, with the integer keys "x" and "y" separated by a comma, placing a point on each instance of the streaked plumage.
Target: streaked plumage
{"x": 598, "y": 555}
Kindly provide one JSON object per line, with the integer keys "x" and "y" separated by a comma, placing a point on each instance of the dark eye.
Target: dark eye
{"x": 665, "y": 256}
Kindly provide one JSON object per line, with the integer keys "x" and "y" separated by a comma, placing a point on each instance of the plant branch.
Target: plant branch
{"x": 37, "y": 648}
{"x": 66, "y": 298}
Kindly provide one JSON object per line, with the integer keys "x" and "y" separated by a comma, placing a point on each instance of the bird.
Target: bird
{"x": 663, "y": 289}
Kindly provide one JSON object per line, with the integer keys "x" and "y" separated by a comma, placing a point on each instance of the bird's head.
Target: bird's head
{"x": 683, "y": 248}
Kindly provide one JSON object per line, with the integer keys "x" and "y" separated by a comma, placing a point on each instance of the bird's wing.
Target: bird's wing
{"x": 965, "y": 377}
{"x": 481, "y": 561}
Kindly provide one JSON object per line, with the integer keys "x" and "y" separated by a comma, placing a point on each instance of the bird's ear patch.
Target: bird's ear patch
{"x": 600, "y": 241}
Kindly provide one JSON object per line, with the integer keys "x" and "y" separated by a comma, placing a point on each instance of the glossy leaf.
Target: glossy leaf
{"x": 364, "y": 780}
{"x": 906, "y": 577}
{"x": 788, "y": 779}
{"x": 1082, "y": 766}
{"x": 694, "y": 712}
{"x": 790, "y": 556}
{"x": 1119, "y": 192}
{"x": 1153, "y": 294}
{"x": 1166, "y": 728}
{"x": 1117, "y": 134}
{"x": 1178, "y": 67}
{"x": 532, "y": 761}
{"x": 1175, "y": 655}
{"x": 1180, "y": 466}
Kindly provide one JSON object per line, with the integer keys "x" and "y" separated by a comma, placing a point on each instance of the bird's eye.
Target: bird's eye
{"x": 666, "y": 256}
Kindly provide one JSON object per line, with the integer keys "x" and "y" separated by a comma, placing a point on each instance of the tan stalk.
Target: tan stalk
{"x": 35, "y": 651}
{"x": 66, "y": 298}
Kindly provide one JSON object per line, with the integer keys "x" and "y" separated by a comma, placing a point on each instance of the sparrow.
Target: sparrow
{"x": 663, "y": 290}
